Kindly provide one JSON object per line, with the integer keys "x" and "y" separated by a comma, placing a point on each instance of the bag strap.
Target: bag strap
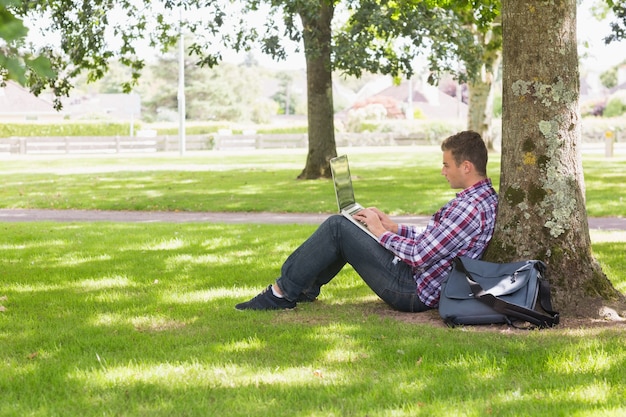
{"x": 513, "y": 310}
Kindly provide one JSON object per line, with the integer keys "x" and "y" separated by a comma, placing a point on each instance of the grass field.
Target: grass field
{"x": 405, "y": 181}
{"x": 137, "y": 319}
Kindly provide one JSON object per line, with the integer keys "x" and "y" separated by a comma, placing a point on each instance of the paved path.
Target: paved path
{"x": 30, "y": 215}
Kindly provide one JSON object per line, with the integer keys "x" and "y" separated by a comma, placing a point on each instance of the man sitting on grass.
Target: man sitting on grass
{"x": 406, "y": 265}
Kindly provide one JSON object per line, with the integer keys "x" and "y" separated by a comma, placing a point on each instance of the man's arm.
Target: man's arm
{"x": 455, "y": 228}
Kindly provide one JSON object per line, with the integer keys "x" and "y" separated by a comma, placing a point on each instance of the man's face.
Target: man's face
{"x": 453, "y": 173}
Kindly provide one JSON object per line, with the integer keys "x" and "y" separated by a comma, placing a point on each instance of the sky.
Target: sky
{"x": 598, "y": 57}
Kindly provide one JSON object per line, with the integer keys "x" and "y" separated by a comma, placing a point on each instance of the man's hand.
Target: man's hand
{"x": 370, "y": 219}
{"x": 376, "y": 221}
{"x": 387, "y": 223}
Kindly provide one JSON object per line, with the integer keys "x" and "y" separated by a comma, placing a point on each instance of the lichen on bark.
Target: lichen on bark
{"x": 558, "y": 203}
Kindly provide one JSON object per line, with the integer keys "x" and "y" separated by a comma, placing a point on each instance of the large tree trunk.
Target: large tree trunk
{"x": 317, "y": 49}
{"x": 542, "y": 211}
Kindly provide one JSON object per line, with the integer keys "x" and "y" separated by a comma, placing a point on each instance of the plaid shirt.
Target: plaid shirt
{"x": 463, "y": 227}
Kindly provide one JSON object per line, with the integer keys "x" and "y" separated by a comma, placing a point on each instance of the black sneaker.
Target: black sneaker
{"x": 266, "y": 300}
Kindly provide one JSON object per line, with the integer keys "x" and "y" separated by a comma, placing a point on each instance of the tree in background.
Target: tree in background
{"x": 379, "y": 37}
{"x": 542, "y": 211}
{"x": 406, "y": 27}
{"x": 618, "y": 27}
{"x": 226, "y": 92}
{"x": 463, "y": 39}
{"x": 609, "y": 78}
{"x": 316, "y": 17}
{"x": 482, "y": 86}
{"x": 285, "y": 96}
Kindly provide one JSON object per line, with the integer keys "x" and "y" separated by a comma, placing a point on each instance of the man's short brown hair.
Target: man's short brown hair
{"x": 467, "y": 146}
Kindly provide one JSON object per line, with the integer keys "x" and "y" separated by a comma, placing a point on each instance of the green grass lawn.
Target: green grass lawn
{"x": 137, "y": 319}
{"x": 398, "y": 180}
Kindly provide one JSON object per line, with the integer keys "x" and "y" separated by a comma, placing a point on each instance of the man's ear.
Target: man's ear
{"x": 467, "y": 167}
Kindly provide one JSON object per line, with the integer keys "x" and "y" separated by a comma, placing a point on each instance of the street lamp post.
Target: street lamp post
{"x": 181, "y": 85}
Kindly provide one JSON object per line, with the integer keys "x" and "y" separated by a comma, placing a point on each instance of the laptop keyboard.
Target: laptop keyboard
{"x": 354, "y": 209}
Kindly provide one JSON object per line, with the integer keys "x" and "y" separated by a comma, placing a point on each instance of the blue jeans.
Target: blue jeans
{"x": 336, "y": 242}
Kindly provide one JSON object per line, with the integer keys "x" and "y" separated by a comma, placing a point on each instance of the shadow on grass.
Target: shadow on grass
{"x": 138, "y": 319}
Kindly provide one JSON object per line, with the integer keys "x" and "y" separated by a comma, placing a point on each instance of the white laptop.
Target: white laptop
{"x": 344, "y": 191}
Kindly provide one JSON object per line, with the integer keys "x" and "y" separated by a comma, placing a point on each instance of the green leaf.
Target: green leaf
{"x": 11, "y": 28}
{"x": 15, "y": 69}
{"x": 42, "y": 66}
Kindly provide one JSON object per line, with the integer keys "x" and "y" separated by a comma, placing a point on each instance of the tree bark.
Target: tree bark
{"x": 320, "y": 112}
{"x": 542, "y": 211}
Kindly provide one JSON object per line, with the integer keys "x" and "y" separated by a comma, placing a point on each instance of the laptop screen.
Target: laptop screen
{"x": 342, "y": 180}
